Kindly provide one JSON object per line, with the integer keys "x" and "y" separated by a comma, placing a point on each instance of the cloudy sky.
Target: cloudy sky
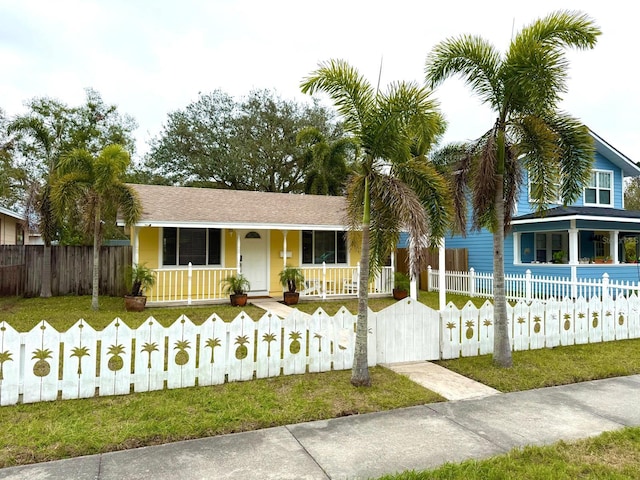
{"x": 151, "y": 57}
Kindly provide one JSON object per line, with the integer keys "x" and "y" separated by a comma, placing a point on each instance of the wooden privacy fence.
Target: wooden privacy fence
{"x": 455, "y": 259}
{"x": 44, "y": 364}
{"x": 71, "y": 269}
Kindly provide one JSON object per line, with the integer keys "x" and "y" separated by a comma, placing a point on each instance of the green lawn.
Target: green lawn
{"x": 612, "y": 455}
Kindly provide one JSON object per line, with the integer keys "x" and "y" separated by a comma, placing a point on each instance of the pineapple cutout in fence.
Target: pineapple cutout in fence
{"x": 567, "y": 321}
{"x": 594, "y": 321}
{"x": 115, "y": 362}
{"x": 242, "y": 352}
{"x": 212, "y": 343}
{"x": 536, "y": 324}
{"x": 469, "y": 331}
{"x": 182, "y": 356}
{"x": 41, "y": 368}
{"x": 149, "y": 348}
{"x": 295, "y": 342}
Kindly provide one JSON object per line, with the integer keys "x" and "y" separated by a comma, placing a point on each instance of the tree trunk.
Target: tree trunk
{"x": 97, "y": 237}
{"x": 360, "y": 371}
{"x": 45, "y": 285}
{"x": 501, "y": 342}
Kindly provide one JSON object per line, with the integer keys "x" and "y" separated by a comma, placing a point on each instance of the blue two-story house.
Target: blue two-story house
{"x": 581, "y": 241}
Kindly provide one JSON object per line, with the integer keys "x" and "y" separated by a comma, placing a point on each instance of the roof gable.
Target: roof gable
{"x": 189, "y": 206}
{"x": 621, "y": 161}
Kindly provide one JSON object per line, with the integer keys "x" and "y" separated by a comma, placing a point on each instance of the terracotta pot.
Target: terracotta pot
{"x": 238, "y": 300}
{"x": 400, "y": 294}
{"x": 134, "y": 304}
{"x": 291, "y": 298}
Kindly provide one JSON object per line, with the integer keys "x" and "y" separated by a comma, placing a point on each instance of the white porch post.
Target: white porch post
{"x": 284, "y": 249}
{"x": 238, "y": 256}
{"x": 574, "y": 259}
{"x": 516, "y": 247}
{"x": 135, "y": 255}
{"x": 613, "y": 249}
{"x": 442, "y": 292}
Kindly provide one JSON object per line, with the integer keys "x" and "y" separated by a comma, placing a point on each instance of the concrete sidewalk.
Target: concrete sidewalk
{"x": 371, "y": 445}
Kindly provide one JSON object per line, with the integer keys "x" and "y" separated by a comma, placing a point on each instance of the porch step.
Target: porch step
{"x": 450, "y": 385}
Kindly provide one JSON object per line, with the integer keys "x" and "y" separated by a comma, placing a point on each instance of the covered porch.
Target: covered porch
{"x": 582, "y": 241}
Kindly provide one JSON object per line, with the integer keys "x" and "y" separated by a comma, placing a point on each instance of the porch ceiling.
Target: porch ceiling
{"x": 580, "y": 213}
{"x": 207, "y": 207}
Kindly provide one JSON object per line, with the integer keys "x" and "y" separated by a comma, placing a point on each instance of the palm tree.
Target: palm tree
{"x": 94, "y": 186}
{"x": 326, "y": 163}
{"x": 395, "y": 186}
{"x": 45, "y": 130}
{"x": 523, "y": 87}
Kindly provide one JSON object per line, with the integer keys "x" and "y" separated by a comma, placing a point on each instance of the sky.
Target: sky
{"x": 152, "y": 57}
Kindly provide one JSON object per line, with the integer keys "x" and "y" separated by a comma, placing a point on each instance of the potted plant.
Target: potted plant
{"x": 401, "y": 285}
{"x": 559, "y": 256}
{"x": 142, "y": 278}
{"x": 236, "y": 286}
{"x": 291, "y": 277}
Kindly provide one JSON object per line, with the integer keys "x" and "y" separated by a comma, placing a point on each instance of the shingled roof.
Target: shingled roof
{"x": 208, "y": 207}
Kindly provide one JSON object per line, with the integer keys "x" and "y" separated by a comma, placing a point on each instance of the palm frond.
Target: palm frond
{"x": 474, "y": 59}
{"x": 352, "y": 95}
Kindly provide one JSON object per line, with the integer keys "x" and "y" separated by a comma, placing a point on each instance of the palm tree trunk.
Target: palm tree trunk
{"x": 360, "y": 371}
{"x": 97, "y": 237}
{"x": 501, "y": 342}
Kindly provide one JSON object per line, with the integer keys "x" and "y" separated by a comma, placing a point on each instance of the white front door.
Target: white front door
{"x": 255, "y": 266}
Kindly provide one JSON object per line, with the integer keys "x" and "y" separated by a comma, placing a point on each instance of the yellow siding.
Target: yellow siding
{"x": 277, "y": 262}
{"x": 230, "y": 258}
{"x": 148, "y": 246}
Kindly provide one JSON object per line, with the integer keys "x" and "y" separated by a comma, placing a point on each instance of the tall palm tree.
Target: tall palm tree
{"x": 94, "y": 186}
{"x": 524, "y": 88}
{"x": 395, "y": 186}
{"x": 327, "y": 164}
{"x": 46, "y": 129}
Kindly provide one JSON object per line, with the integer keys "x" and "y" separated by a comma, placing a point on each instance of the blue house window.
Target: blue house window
{"x": 200, "y": 246}
{"x": 321, "y": 246}
{"x": 599, "y": 191}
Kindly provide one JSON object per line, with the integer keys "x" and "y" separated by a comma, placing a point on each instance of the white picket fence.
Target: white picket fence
{"x": 45, "y": 364}
{"x": 528, "y": 286}
{"x": 540, "y": 324}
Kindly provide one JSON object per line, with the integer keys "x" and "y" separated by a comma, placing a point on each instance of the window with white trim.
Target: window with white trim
{"x": 599, "y": 191}
{"x": 200, "y": 246}
{"x": 323, "y": 246}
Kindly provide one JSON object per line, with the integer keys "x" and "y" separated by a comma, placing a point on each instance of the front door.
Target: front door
{"x": 255, "y": 267}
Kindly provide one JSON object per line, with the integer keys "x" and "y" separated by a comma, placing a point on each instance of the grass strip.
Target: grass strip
{"x": 54, "y": 430}
{"x": 611, "y": 455}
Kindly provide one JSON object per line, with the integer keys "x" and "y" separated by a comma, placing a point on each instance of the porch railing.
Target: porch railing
{"x": 528, "y": 286}
{"x": 188, "y": 284}
{"x": 327, "y": 281}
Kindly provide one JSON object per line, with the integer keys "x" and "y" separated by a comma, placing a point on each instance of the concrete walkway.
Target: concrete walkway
{"x": 371, "y": 445}
{"x": 450, "y": 385}
{"x": 272, "y": 305}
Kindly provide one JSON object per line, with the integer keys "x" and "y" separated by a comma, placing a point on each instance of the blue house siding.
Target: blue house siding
{"x": 523, "y": 206}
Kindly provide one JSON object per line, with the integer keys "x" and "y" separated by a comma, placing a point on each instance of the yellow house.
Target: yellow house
{"x": 11, "y": 227}
{"x": 195, "y": 237}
